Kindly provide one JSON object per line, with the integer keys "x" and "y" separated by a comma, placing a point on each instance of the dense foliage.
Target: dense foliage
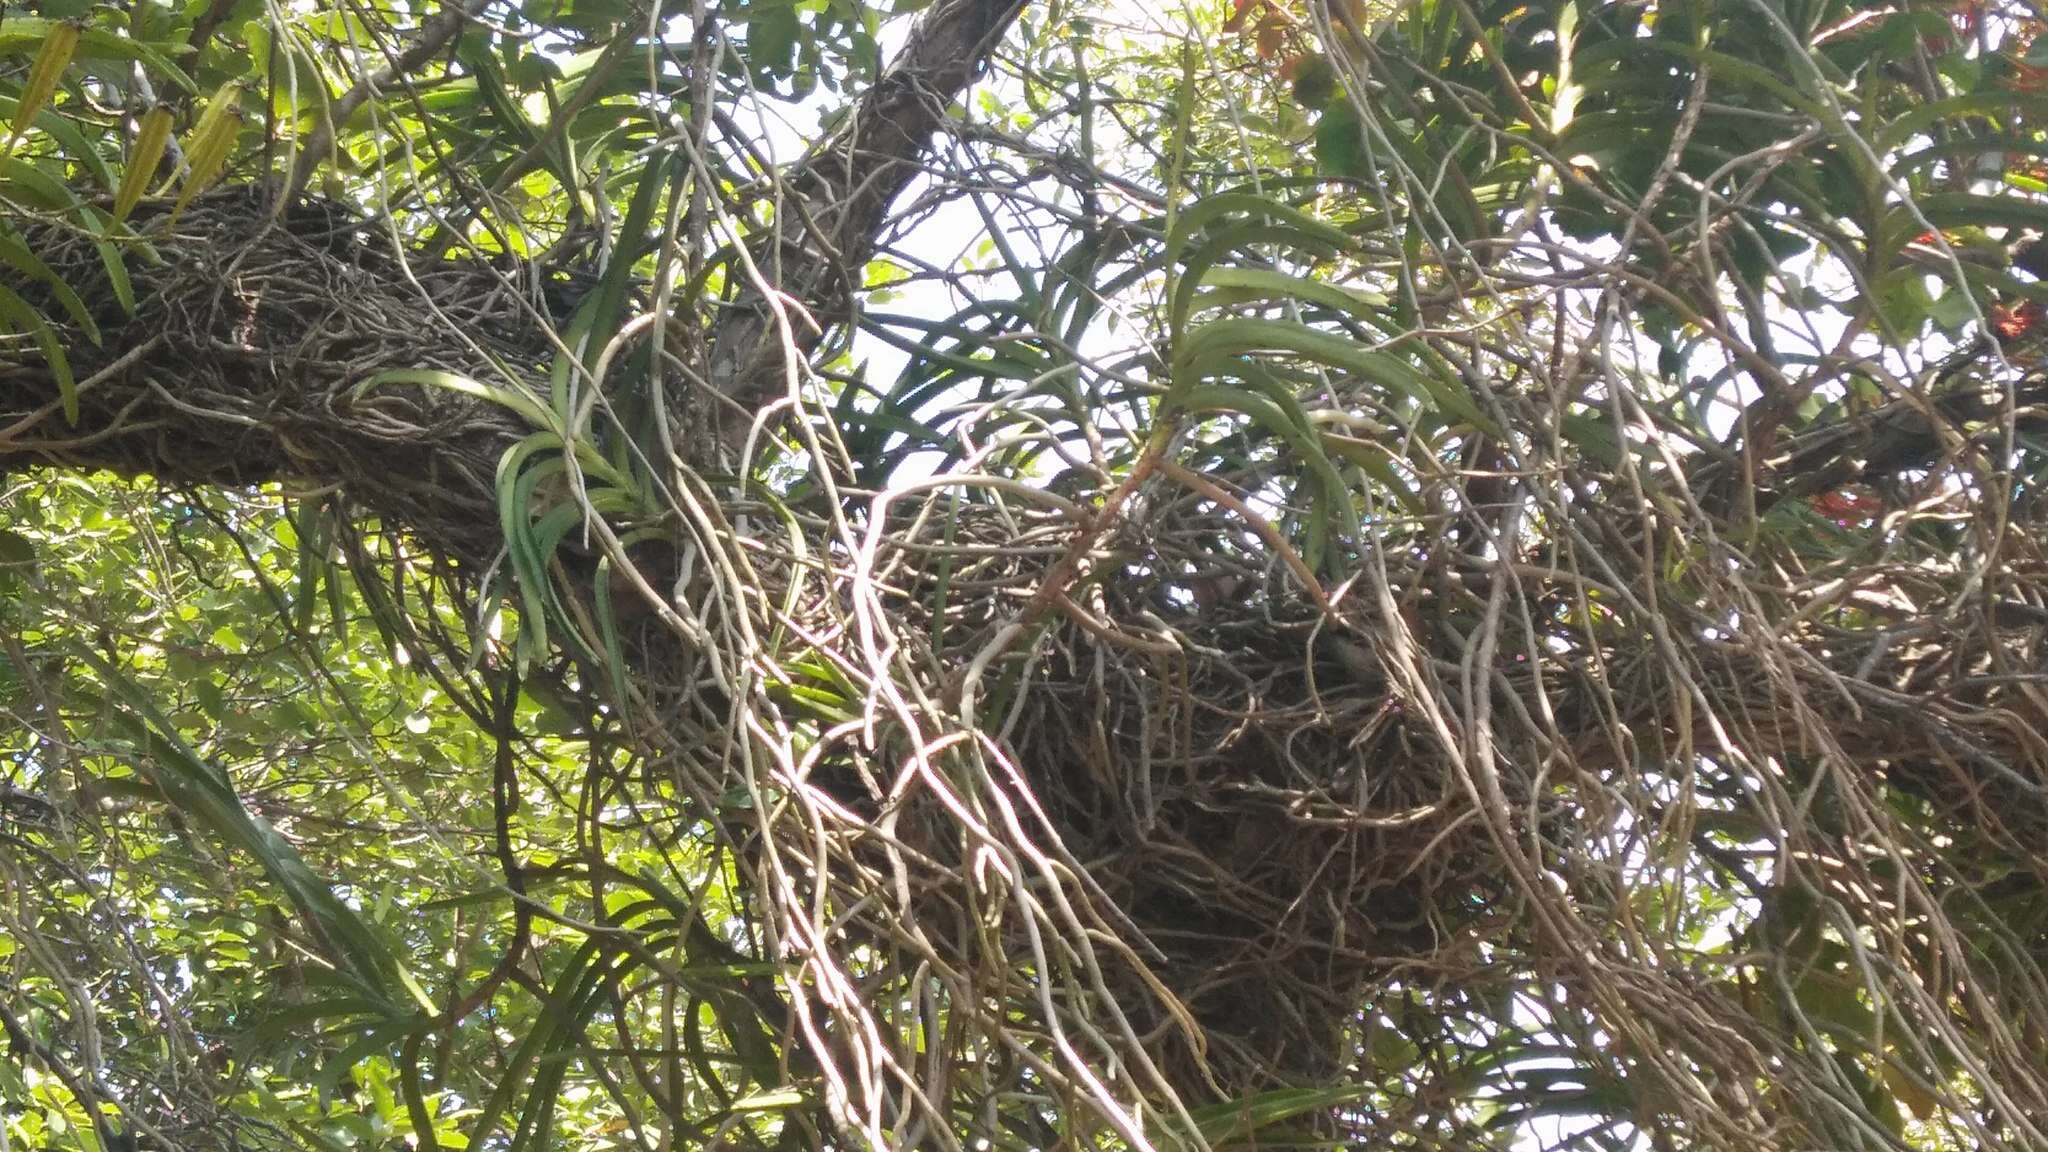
{"x": 967, "y": 573}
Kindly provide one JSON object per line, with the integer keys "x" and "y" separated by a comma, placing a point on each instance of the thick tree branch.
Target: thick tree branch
{"x": 246, "y": 358}
{"x": 848, "y": 183}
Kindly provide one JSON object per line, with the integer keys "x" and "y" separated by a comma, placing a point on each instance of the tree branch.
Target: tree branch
{"x": 434, "y": 35}
{"x": 848, "y": 183}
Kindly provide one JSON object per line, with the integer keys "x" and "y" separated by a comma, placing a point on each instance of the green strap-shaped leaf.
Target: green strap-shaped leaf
{"x": 1210, "y": 348}
{"x": 204, "y": 793}
{"x": 16, "y": 313}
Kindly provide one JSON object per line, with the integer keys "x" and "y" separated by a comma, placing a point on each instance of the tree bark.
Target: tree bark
{"x": 245, "y": 362}
{"x": 837, "y": 200}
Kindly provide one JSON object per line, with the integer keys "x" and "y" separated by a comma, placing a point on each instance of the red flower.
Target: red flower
{"x": 2012, "y": 321}
{"x": 1848, "y": 506}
